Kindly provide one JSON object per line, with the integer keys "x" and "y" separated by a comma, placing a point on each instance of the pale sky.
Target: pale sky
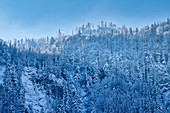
{"x": 39, "y": 18}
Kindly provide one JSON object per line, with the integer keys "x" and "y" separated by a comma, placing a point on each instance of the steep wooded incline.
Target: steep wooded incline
{"x": 108, "y": 69}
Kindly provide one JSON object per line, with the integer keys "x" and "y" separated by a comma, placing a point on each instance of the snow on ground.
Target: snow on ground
{"x": 2, "y": 70}
{"x": 33, "y": 95}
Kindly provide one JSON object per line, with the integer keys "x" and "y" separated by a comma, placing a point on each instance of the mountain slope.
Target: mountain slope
{"x": 103, "y": 69}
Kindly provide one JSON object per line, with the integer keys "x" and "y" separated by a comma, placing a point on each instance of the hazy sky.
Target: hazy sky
{"x": 38, "y": 18}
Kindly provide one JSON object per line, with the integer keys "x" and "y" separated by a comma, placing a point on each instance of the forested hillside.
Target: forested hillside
{"x": 103, "y": 69}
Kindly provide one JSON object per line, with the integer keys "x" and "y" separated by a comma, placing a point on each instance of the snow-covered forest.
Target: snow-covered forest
{"x": 103, "y": 69}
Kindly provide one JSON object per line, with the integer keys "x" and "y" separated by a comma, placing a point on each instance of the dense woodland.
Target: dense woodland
{"x": 108, "y": 69}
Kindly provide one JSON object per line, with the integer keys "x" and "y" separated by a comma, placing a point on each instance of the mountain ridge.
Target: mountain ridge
{"x": 93, "y": 70}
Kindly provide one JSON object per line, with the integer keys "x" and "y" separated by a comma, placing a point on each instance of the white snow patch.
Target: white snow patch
{"x": 2, "y": 70}
{"x": 33, "y": 95}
